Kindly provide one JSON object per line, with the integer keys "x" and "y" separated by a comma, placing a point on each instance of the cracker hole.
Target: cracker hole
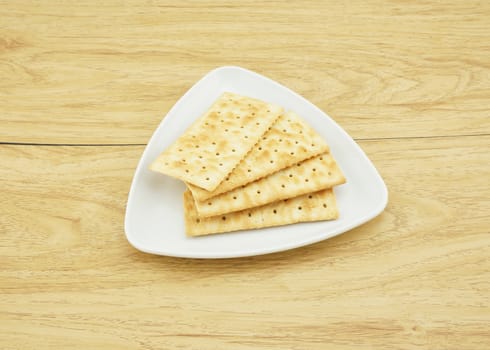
{"x": 222, "y": 120}
{"x": 234, "y": 197}
{"x": 299, "y": 208}
{"x": 249, "y": 170}
{"x": 258, "y": 192}
{"x": 301, "y": 131}
{"x": 180, "y": 149}
{"x": 200, "y": 157}
{"x": 226, "y": 130}
{"x": 271, "y": 161}
{"x": 249, "y": 215}
{"x": 204, "y": 167}
{"x": 321, "y": 158}
{"x": 283, "y": 186}
{"x": 214, "y": 143}
{"x": 280, "y": 140}
{"x": 217, "y": 153}
{"x": 285, "y": 200}
{"x": 312, "y": 145}
{"x": 268, "y": 110}
{"x": 260, "y": 148}
{"x": 219, "y": 112}
{"x": 329, "y": 173}
{"x": 197, "y": 146}
{"x": 299, "y": 164}
{"x": 274, "y": 211}
{"x": 207, "y": 178}
{"x": 246, "y": 136}
{"x": 257, "y": 123}
{"x": 284, "y": 130}
{"x": 292, "y": 153}
{"x": 166, "y": 163}
{"x": 220, "y": 164}
{"x": 223, "y": 218}
{"x": 238, "y": 117}
{"x": 306, "y": 180}
{"x": 310, "y": 196}
{"x": 227, "y": 179}
{"x": 314, "y": 169}
{"x": 253, "y": 113}
{"x": 241, "y": 127}
{"x": 233, "y": 150}
{"x": 186, "y": 170}
{"x": 210, "y": 203}
{"x": 324, "y": 205}
{"x": 296, "y": 142}
{"x": 198, "y": 220}
{"x": 206, "y": 123}
{"x": 290, "y": 175}
{"x": 275, "y": 150}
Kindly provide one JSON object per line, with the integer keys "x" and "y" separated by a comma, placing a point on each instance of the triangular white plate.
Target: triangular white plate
{"x": 154, "y": 214}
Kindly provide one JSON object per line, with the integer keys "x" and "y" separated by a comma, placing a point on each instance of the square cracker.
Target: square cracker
{"x": 311, "y": 175}
{"x": 290, "y": 140}
{"x": 309, "y": 207}
{"x": 217, "y": 141}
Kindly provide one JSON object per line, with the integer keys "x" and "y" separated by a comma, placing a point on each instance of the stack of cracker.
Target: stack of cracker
{"x": 248, "y": 164}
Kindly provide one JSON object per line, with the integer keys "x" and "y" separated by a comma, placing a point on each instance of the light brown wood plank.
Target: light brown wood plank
{"x": 416, "y": 277}
{"x": 85, "y": 72}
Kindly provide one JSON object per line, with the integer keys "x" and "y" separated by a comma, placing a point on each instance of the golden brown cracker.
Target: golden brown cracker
{"x": 216, "y": 142}
{"x": 309, "y": 207}
{"x": 311, "y": 175}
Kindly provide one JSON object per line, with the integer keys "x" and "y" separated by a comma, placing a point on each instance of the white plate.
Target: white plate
{"x": 154, "y": 214}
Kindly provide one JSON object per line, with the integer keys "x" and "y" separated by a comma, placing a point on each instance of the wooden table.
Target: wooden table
{"x": 82, "y": 86}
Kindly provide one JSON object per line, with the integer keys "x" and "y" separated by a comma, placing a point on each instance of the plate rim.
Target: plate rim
{"x": 381, "y": 204}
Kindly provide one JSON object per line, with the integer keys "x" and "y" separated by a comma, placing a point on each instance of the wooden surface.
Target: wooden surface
{"x": 382, "y": 68}
{"x": 82, "y": 87}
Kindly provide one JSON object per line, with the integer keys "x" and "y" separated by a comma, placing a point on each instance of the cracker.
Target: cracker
{"x": 216, "y": 142}
{"x": 311, "y": 175}
{"x": 309, "y": 207}
{"x": 289, "y": 141}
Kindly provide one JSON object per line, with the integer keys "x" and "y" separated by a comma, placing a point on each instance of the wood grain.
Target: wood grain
{"x": 84, "y": 72}
{"x": 409, "y": 80}
{"x": 416, "y": 277}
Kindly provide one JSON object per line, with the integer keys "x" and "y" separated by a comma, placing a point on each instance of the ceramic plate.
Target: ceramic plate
{"x": 154, "y": 214}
